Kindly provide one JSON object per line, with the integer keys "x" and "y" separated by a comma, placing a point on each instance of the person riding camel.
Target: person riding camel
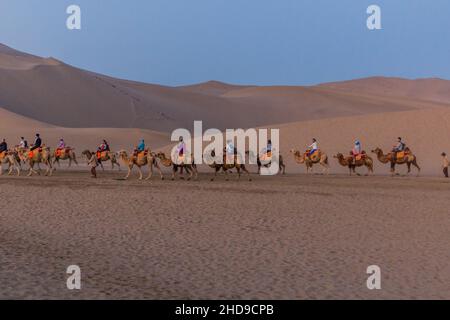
{"x": 61, "y": 147}
{"x": 37, "y": 142}
{"x": 313, "y": 147}
{"x": 3, "y": 146}
{"x": 357, "y": 150}
{"x": 181, "y": 149}
{"x": 266, "y": 153}
{"x": 399, "y": 147}
{"x": 23, "y": 144}
{"x": 229, "y": 150}
{"x": 104, "y": 146}
{"x": 140, "y": 147}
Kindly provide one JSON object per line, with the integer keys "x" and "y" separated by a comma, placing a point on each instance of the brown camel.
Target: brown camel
{"x": 65, "y": 154}
{"x": 228, "y": 167}
{"x": 37, "y": 156}
{"x": 409, "y": 159}
{"x": 10, "y": 158}
{"x": 352, "y": 163}
{"x": 105, "y": 156}
{"x": 191, "y": 169}
{"x": 145, "y": 158}
{"x": 318, "y": 158}
{"x": 282, "y": 166}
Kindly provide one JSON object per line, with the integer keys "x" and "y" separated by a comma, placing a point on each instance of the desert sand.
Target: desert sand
{"x": 290, "y": 237}
{"x": 284, "y": 237}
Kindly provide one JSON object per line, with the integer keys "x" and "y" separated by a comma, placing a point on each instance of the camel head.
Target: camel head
{"x": 122, "y": 154}
{"x": 377, "y": 151}
{"x": 160, "y": 155}
{"x": 339, "y": 156}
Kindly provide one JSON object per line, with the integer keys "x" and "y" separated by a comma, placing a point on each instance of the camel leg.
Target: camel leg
{"x": 282, "y": 167}
{"x": 246, "y": 171}
{"x": 226, "y": 174}
{"x": 140, "y": 173}
{"x": 150, "y": 174}
{"x": 129, "y": 172}
{"x": 159, "y": 170}
{"x": 194, "y": 168}
{"x": 174, "y": 171}
{"x": 414, "y": 163}
{"x": 191, "y": 173}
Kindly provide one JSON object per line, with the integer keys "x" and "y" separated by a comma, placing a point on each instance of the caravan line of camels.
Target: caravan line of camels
{"x": 16, "y": 158}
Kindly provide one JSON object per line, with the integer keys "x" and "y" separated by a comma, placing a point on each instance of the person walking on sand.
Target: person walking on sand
{"x": 93, "y": 163}
{"x": 445, "y": 164}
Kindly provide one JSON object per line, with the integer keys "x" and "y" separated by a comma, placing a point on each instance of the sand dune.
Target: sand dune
{"x": 53, "y": 92}
{"x": 14, "y": 126}
{"x": 432, "y": 89}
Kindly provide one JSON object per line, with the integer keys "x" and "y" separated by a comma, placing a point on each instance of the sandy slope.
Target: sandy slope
{"x": 53, "y": 92}
{"x": 292, "y": 237}
{"x": 14, "y": 126}
{"x": 432, "y": 89}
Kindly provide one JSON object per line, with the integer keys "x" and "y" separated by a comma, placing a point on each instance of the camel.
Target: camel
{"x": 65, "y": 154}
{"x": 9, "y": 157}
{"x": 191, "y": 169}
{"x": 282, "y": 166}
{"x": 409, "y": 159}
{"x": 40, "y": 155}
{"x": 105, "y": 156}
{"x": 303, "y": 158}
{"x": 147, "y": 159}
{"x": 352, "y": 163}
{"x": 228, "y": 167}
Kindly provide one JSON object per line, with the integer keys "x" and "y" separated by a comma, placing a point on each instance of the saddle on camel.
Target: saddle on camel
{"x": 33, "y": 153}
{"x": 312, "y": 156}
{"x": 61, "y": 152}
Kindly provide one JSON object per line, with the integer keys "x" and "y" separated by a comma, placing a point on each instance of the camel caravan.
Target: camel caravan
{"x": 22, "y": 157}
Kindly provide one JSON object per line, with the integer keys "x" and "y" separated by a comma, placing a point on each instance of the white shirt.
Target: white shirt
{"x": 314, "y": 146}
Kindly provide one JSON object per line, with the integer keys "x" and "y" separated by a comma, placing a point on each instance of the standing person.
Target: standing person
{"x": 93, "y": 163}
{"x": 445, "y": 164}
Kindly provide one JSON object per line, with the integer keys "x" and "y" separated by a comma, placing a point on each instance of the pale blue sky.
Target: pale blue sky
{"x": 265, "y": 42}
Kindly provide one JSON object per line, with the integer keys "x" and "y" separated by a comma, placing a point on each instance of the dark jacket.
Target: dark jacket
{"x": 3, "y": 146}
{"x": 37, "y": 143}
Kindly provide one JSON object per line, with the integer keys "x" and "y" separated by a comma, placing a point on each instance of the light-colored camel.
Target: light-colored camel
{"x": 10, "y": 158}
{"x": 65, "y": 154}
{"x": 409, "y": 159}
{"x": 282, "y": 166}
{"x": 105, "y": 156}
{"x": 303, "y": 158}
{"x": 225, "y": 167}
{"x": 148, "y": 159}
{"x": 191, "y": 169}
{"x": 353, "y": 163}
{"x": 41, "y": 155}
